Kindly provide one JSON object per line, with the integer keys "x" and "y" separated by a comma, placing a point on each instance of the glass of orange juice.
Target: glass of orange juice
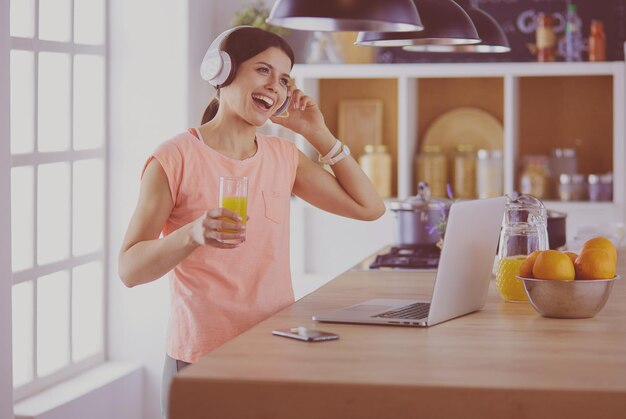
{"x": 233, "y": 196}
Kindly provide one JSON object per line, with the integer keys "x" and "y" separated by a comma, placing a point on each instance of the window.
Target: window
{"x": 58, "y": 189}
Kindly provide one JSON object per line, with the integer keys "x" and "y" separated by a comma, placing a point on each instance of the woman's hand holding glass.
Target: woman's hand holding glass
{"x": 220, "y": 228}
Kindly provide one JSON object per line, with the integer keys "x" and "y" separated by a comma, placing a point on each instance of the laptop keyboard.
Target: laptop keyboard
{"x": 412, "y": 311}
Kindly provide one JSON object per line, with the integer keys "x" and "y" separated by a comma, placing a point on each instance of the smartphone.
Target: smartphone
{"x": 307, "y": 335}
{"x": 281, "y": 110}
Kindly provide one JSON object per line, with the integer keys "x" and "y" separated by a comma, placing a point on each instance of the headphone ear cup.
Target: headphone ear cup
{"x": 228, "y": 71}
{"x": 216, "y": 67}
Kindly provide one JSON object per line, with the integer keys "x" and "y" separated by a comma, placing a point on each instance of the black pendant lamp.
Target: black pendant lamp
{"x": 346, "y": 15}
{"x": 445, "y": 22}
{"x": 491, "y": 34}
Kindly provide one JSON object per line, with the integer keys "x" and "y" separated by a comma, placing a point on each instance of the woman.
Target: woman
{"x": 219, "y": 290}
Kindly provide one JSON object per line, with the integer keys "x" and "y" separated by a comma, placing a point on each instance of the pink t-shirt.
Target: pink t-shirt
{"x": 216, "y": 294}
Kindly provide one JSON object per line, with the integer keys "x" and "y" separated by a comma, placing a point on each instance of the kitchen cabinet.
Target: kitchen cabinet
{"x": 540, "y": 105}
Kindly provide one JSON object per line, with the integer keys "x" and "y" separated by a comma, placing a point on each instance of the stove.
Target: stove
{"x": 408, "y": 257}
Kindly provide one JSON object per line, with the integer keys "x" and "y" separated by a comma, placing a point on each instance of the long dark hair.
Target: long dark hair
{"x": 242, "y": 45}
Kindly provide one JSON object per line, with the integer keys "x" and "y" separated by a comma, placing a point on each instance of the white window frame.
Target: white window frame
{"x": 37, "y": 158}
{"x": 6, "y": 375}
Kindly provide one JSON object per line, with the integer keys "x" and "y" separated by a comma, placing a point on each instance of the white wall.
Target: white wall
{"x": 156, "y": 48}
{"x": 6, "y": 375}
{"x": 148, "y": 104}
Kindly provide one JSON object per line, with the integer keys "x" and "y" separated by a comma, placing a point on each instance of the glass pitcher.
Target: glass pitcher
{"x": 524, "y": 230}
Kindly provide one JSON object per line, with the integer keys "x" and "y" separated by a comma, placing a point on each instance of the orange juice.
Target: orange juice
{"x": 509, "y": 287}
{"x": 238, "y": 205}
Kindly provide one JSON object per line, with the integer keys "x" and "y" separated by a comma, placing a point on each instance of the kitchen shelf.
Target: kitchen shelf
{"x": 355, "y": 71}
{"x": 569, "y": 111}
{"x": 410, "y": 121}
{"x": 518, "y": 94}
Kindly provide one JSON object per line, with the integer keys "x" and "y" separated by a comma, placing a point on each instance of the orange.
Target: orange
{"x": 526, "y": 270}
{"x": 601, "y": 243}
{"x": 552, "y": 264}
{"x": 594, "y": 263}
{"x": 572, "y": 256}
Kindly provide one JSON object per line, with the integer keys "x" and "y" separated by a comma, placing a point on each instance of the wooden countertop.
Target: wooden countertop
{"x": 505, "y": 361}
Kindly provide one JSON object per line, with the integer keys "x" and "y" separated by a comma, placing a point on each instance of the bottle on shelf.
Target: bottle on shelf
{"x": 464, "y": 184}
{"x": 534, "y": 177}
{"x": 562, "y": 161}
{"x": 572, "y": 187}
{"x": 545, "y": 38}
{"x": 431, "y": 166}
{"x": 376, "y": 164}
{"x": 489, "y": 173}
{"x": 573, "y": 35}
{"x": 600, "y": 187}
{"x": 597, "y": 41}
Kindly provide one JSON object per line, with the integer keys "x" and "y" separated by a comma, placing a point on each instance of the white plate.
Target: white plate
{"x": 465, "y": 126}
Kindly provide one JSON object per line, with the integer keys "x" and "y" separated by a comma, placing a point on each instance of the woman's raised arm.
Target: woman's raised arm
{"x": 349, "y": 192}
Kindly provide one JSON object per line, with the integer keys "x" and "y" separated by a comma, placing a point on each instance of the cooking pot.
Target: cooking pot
{"x": 556, "y": 229}
{"x": 420, "y": 219}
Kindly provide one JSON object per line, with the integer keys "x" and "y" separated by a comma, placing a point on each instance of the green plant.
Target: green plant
{"x": 255, "y": 15}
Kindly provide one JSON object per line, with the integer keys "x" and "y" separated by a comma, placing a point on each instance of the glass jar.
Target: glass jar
{"x": 600, "y": 187}
{"x": 376, "y": 164}
{"x": 534, "y": 177}
{"x": 562, "y": 161}
{"x": 431, "y": 166}
{"x": 465, "y": 172}
{"x": 489, "y": 173}
{"x": 524, "y": 230}
{"x": 572, "y": 187}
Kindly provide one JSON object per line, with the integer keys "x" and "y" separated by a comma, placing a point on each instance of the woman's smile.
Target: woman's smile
{"x": 263, "y": 102}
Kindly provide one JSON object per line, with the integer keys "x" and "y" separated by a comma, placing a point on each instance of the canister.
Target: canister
{"x": 600, "y": 187}
{"x": 376, "y": 164}
{"x": 465, "y": 172}
{"x": 572, "y": 187}
{"x": 489, "y": 173}
{"x": 431, "y": 166}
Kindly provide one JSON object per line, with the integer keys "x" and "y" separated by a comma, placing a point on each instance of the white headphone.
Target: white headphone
{"x": 217, "y": 65}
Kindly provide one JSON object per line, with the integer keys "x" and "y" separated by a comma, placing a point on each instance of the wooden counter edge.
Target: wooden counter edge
{"x": 252, "y": 399}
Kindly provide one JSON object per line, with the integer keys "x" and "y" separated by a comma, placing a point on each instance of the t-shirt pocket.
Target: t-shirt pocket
{"x": 274, "y": 206}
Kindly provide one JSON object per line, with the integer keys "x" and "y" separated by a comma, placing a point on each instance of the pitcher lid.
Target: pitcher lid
{"x": 525, "y": 209}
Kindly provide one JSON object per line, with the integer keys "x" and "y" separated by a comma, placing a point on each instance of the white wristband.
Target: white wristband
{"x": 331, "y": 153}
{"x": 345, "y": 151}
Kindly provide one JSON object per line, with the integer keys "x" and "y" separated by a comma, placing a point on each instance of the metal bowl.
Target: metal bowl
{"x": 576, "y": 299}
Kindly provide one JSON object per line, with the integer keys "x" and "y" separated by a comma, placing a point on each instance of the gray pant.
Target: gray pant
{"x": 170, "y": 368}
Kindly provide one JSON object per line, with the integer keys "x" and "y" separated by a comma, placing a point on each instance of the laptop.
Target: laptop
{"x": 462, "y": 278}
